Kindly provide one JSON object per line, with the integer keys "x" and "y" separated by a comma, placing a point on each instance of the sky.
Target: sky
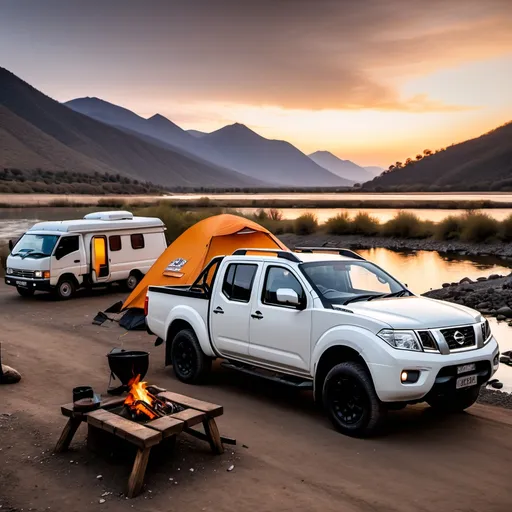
{"x": 373, "y": 81}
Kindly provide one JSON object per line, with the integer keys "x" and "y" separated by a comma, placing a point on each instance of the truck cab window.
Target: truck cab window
{"x": 66, "y": 245}
{"x": 114, "y": 243}
{"x": 137, "y": 241}
{"x": 280, "y": 277}
{"x": 238, "y": 282}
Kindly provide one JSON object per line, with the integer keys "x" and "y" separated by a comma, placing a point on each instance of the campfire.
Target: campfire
{"x": 141, "y": 405}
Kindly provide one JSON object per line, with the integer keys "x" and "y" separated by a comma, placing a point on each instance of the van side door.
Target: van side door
{"x": 230, "y": 308}
{"x": 280, "y": 333}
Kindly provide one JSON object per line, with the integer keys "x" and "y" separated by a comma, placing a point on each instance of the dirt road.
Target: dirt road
{"x": 287, "y": 455}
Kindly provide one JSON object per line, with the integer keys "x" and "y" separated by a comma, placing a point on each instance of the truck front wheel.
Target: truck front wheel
{"x": 350, "y": 400}
{"x": 455, "y": 402}
{"x": 189, "y": 362}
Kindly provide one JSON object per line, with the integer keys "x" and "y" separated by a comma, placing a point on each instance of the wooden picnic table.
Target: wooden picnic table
{"x": 145, "y": 436}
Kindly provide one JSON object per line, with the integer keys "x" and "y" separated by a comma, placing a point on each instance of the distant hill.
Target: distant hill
{"x": 484, "y": 163}
{"x": 157, "y": 127}
{"x": 374, "y": 170}
{"x": 196, "y": 133}
{"x": 274, "y": 161}
{"x": 343, "y": 168}
{"x": 38, "y": 131}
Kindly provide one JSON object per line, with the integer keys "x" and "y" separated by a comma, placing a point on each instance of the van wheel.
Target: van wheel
{"x": 351, "y": 402}
{"x": 189, "y": 362}
{"x": 25, "y": 292}
{"x": 132, "y": 282}
{"x": 65, "y": 289}
{"x": 455, "y": 402}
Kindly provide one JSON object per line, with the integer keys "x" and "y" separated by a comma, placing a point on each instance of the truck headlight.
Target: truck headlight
{"x": 9, "y": 271}
{"x": 402, "y": 340}
{"x": 38, "y": 273}
{"x": 486, "y": 331}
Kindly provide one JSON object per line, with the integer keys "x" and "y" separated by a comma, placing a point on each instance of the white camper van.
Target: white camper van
{"x": 101, "y": 248}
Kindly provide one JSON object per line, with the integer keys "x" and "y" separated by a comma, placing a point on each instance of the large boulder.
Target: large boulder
{"x": 10, "y": 375}
{"x": 505, "y": 311}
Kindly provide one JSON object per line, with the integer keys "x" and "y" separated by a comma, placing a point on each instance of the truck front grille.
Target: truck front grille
{"x": 27, "y": 274}
{"x": 427, "y": 340}
{"x": 459, "y": 337}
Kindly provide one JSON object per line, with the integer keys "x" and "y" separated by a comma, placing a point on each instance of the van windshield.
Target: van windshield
{"x": 35, "y": 246}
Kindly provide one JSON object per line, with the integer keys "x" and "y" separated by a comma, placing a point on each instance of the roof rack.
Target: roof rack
{"x": 285, "y": 255}
{"x": 342, "y": 252}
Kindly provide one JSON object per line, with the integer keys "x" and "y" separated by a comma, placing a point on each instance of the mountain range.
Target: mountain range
{"x": 234, "y": 147}
{"x": 343, "y": 168}
{"x": 483, "y": 163}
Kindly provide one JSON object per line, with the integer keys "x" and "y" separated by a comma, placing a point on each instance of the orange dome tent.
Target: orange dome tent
{"x": 183, "y": 260}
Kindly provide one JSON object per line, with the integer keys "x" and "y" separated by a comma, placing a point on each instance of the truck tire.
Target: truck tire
{"x": 351, "y": 402}
{"x": 25, "y": 292}
{"x": 189, "y": 362}
{"x": 455, "y": 402}
{"x": 65, "y": 289}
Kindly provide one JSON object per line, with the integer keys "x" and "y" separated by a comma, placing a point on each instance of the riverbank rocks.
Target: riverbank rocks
{"x": 10, "y": 375}
{"x": 505, "y": 311}
{"x": 466, "y": 280}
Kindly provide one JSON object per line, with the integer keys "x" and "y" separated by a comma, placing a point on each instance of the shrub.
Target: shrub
{"x": 111, "y": 202}
{"x": 338, "y": 225}
{"x": 406, "y": 225}
{"x": 506, "y": 229}
{"x": 306, "y": 224}
{"x": 365, "y": 224}
{"x": 449, "y": 228}
{"x": 479, "y": 227}
{"x": 275, "y": 214}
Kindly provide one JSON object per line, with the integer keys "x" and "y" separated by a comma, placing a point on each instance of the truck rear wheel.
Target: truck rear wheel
{"x": 189, "y": 362}
{"x": 351, "y": 402}
{"x": 455, "y": 402}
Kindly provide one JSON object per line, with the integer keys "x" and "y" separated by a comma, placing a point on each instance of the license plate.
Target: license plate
{"x": 465, "y": 368}
{"x": 23, "y": 284}
{"x": 465, "y": 382}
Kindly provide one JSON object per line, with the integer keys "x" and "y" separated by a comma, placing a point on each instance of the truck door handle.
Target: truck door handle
{"x": 218, "y": 310}
{"x": 77, "y": 261}
{"x": 257, "y": 315}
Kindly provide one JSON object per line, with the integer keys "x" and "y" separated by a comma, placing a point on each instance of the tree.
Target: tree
{"x": 408, "y": 161}
{"x": 427, "y": 152}
{"x": 398, "y": 165}
{"x": 419, "y": 156}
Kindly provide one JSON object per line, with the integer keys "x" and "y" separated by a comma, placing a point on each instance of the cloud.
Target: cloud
{"x": 295, "y": 54}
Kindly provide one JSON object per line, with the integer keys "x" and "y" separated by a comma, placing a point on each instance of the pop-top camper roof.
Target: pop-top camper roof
{"x": 100, "y": 221}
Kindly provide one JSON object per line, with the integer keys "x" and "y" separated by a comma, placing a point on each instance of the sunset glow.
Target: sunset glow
{"x": 373, "y": 82}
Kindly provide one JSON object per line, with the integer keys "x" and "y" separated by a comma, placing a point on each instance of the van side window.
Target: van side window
{"x": 67, "y": 245}
{"x": 238, "y": 281}
{"x": 114, "y": 243}
{"x": 280, "y": 277}
{"x": 137, "y": 241}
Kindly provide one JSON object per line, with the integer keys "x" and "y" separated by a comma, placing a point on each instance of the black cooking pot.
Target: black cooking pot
{"x": 126, "y": 364}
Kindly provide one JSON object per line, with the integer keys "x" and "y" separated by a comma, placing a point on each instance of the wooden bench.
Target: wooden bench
{"x": 145, "y": 436}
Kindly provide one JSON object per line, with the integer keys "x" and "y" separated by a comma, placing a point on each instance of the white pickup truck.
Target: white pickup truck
{"x": 333, "y": 323}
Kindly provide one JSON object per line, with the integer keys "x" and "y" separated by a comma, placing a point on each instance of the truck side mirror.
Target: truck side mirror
{"x": 11, "y": 246}
{"x": 288, "y": 297}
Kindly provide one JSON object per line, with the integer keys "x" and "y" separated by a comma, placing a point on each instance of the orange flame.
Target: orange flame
{"x": 138, "y": 396}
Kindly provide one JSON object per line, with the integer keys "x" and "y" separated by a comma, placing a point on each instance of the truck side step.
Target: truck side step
{"x": 296, "y": 382}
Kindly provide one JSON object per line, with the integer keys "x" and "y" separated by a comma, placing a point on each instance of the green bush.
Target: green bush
{"x": 506, "y": 229}
{"x": 449, "y": 228}
{"x": 365, "y": 224}
{"x": 407, "y": 225}
{"x": 339, "y": 224}
{"x": 479, "y": 227}
{"x": 306, "y": 224}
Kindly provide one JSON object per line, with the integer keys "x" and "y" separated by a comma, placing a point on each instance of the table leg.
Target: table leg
{"x": 67, "y": 435}
{"x": 212, "y": 432}
{"x": 138, "y": 471}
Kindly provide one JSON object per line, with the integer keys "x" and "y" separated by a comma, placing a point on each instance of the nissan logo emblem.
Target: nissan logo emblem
{"x": 459, "y": 338}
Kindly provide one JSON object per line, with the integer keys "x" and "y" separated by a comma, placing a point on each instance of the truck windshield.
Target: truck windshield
{"x": 35, "y": 246}
{"x": 341, "y": 282}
